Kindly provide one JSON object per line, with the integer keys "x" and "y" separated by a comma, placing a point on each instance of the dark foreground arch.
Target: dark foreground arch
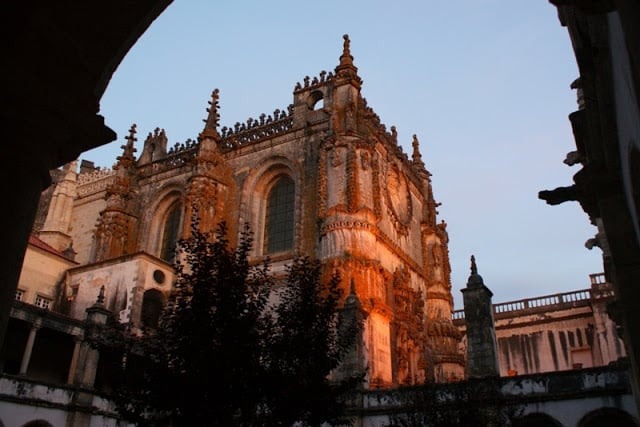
{"x": 537, "y": 419}
{"x": 607, "y": 417}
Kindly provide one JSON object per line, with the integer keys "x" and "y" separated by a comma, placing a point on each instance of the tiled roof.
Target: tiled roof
{"x": 35, "y": 241}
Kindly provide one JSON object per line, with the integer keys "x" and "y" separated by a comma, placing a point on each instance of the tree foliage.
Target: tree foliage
{"x": 307, "y": 342}
{"x": 233, "y": 346}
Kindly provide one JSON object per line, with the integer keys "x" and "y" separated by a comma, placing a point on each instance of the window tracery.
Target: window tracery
{"x": 170, "y": 232}
{"x": 279, "y": 216}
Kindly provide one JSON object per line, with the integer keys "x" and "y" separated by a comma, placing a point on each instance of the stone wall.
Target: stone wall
{"x": 555, "y": 332}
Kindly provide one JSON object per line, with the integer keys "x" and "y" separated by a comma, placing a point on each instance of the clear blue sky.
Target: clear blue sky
{"x": 484, "y": 85}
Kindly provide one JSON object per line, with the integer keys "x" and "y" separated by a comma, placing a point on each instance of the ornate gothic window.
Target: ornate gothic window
{"x": 279, "y": 219}
{"x": 170, "y": 232}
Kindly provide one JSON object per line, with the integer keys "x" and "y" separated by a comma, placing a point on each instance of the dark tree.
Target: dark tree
{"x": 308, "y": 341}
{"x": 222, "y": 354}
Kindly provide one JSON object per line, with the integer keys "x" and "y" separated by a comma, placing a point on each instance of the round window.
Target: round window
{"x": 159, "y": 277}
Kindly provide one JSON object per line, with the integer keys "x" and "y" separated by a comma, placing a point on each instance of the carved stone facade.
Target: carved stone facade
{"x": 356, "y": 202}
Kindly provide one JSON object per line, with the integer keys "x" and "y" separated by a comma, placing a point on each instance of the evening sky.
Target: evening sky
{"x": 484, "y": 85}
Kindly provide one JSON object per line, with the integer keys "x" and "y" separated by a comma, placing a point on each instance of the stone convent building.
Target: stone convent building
{"x": 323, "y": 177}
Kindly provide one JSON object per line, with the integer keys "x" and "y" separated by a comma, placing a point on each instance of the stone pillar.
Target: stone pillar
{"x": 88, "y": 358}
{"x": 482, "y": 357}
{"x": 73, "y": 366}
{"x": 28, "y": 348}
{"x": 84, "y": 365}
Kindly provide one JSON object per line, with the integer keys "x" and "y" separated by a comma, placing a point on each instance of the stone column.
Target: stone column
{"x": 482, "y": 357}
{"x": 26, "y": 356}
{"x": 84, "y": 365}
{"x": 73, "y": 366}
{"x": 88, "y": 358}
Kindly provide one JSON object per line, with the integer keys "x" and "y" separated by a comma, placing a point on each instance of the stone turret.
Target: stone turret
{"x": 56, "y": 230}
{"x": 155, "y": 147}
{"x": 482, "y": 358}
{"x": 117, "y": 233}
{"x": 347, "y": 101}
{"x": 209, "y": 187}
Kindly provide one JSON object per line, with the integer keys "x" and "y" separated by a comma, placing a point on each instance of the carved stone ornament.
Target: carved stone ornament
{"x": 365, "y": 160}
{"x": 398, "y": 198}
{"x": 338, "y": 156}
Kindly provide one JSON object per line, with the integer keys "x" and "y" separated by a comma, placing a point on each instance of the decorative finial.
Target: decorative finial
{"x": 346, "y": 68}
{"x": 100, "y": 299}
{"x": 475, "y": 280}
{"x": 416, "y": 156}
{"x": 131, "y": 138}
{"x": 70, "y": 253}
{"x": 394, "y": 134}
{"x": 352, "y": 298}
{"x": 346, "y": 46}
{"x": 128, "y": 158}
{"x": 213, "y": 117}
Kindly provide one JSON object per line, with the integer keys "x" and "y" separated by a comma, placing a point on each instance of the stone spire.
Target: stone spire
{"x": 128, "y": 159}
{"x": 125, "y": 170}
{"x": 213, "y": 117}
{"x": 116, "y": 231}
{"x": 346, "y": 59}
{"x": 352, "y": 298}
{"x": 100, "y": 299}
{"x": 57, "y": 226}
{"x": 475, "y": 280}
{"x": 416, "y": 156}
{"x": 346, "y": 69}
{"x": 209, "y": 186}
{"x": 207, "y": 155}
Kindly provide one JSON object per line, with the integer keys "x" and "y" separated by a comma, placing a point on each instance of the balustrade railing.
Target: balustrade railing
{"x": 176, "y": 159}
{"x": 600, "y": 289}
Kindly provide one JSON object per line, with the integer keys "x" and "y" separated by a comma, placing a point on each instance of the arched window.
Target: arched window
{"x": 316, "y": 100}
{"x": 278, "y": 230}
{"x": 152, "y": 304}
{"x": 170, "y": 233}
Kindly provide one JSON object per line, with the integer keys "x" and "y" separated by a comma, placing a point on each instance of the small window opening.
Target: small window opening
{"x": 152, "y": 304}
{"x": 43, "y": 302}
{"x": 316, "y": 100}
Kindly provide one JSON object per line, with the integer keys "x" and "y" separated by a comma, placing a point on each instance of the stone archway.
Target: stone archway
{"x": 537, "y": 419}
{"x": 607, "y": 417}
{"x": 49, "y": 115}
{"x": 37, "y": 423}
